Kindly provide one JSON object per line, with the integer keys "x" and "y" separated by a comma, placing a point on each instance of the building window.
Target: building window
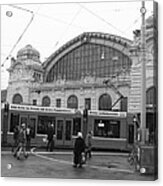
{"x": 36, "y": 76}
{"x": 94, "y": 59}
{"x": 72, "y": 102}
{"x": 151, "y": 96}
{"x": 105, "y": 102}
{"x": 107, "y": 128}
{"x": 58, "y": 102}
{"x": 123, "y": 104}
{"x": 44, "y": 123}
{"x": 88, "y": 103}
{"x": 17, "y": 99}
{"x": 34, "y": 101}
{"x": 46, "y": 101}
{"x": 76, "y": 126}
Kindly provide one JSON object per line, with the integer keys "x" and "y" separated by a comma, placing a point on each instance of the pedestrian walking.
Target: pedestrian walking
{"x": 50, "y": 144}
{"x": 22, "y": 143}
{"x": 79, "y": 150}
{"x": 28, "y": 138}
{"x": 15, "y": 137}
{"x": 89, "y": 145}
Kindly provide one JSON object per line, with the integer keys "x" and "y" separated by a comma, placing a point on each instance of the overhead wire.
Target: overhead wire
{"x": 61, "y": 21}
{"x": 101, "y": 18}
{"x": 20, "y": 37}
{"x": 134, "y": 22}
{"x": 72, "y": 20}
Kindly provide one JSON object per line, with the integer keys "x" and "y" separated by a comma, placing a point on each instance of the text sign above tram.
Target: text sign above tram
{"x": 107, "y": 113}
{"x": 41, "y": 109}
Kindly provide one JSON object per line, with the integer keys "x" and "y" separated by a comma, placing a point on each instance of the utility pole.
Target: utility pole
{"x": 143, "y": 76}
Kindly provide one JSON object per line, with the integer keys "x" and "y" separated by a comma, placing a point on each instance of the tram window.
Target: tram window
{"x": 44, "y": 123}
{"x": 14, "y": 121}
{"x": 76, "y": 126}
{"x": 107, "y": 128}
{"x": 34, "y": 101}
{"x": 23, "y": 120}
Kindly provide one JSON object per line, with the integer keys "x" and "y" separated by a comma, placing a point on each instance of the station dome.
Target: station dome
{"x": 28, "y": 52}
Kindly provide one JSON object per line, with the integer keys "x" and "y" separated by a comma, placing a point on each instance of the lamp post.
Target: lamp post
{"x": 85, "y": 121}
{"x": 143, "y": 76}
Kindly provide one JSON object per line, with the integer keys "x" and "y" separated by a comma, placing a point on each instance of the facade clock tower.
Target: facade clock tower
{"x": 25, "y": 70}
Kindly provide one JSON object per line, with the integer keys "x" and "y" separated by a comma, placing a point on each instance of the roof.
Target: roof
{"x": 88, "y": 35}
{"x": 29, "y": 50}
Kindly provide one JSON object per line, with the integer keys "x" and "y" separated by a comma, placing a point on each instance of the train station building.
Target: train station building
{"x": 97, "y": 71}
{"x": 92, "y": 70}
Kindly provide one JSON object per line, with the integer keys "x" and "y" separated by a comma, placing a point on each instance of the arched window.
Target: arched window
{"x": 151, "y": 96}
{"x": 46, "y": 101}
{"x": 17, "y": 99}
{"x": 72, "y": 102}
{"x": 105, "y": 102}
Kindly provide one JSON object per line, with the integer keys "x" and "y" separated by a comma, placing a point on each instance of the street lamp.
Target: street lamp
{"x": 143, "y": 76}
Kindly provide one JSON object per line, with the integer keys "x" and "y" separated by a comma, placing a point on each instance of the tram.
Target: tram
{"x": 109, "y": 128}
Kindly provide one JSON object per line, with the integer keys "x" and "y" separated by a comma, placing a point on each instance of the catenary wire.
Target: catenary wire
{"x": 20, "y": 37}
{"x": 102, "y": 19}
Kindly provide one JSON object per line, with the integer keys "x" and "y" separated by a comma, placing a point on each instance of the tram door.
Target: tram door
{"x": 64, "y": 132}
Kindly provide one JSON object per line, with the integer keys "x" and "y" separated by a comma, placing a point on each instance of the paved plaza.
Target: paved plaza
{"x": 105, "y": 166}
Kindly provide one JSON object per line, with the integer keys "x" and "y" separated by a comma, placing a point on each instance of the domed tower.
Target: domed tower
{"x": 25, "y": 70}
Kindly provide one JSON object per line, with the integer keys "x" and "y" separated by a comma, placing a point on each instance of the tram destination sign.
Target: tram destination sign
{"x": 31, "y": 108}
{"x": 107, "y": 113}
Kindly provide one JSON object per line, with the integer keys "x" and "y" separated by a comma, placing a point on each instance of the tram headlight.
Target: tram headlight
{"x": 44, "y": 140}
{"x": 142, "y": 170}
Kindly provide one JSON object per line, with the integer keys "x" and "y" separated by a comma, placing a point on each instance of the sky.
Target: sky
{"x": 55, "y": 24}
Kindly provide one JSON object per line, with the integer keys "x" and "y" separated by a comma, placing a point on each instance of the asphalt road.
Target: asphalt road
{"x": 59, "y": 165}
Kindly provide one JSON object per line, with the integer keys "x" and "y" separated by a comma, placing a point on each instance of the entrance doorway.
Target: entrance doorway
{"x": 63, "y": 131}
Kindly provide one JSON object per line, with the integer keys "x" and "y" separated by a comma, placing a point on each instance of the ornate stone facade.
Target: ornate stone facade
{"x": 34, "y": 81}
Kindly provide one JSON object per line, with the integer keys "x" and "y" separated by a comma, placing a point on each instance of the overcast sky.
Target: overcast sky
{"x": 55, "y": 24}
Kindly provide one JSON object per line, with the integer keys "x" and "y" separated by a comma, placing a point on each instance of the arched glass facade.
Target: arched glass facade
{"x": 46, "y": 101}
{"x": 72, "y": 102}
{"x": 89, "y": 59}
{"x": 17, "y": 99}
{"x": 105, "y": 102}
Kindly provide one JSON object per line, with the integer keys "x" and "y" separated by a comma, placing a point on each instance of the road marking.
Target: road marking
{"x": 90, "y": 166}
{"x": 71, "y": 153}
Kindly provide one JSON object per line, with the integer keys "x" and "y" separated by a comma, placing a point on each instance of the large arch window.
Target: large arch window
{"x": 93, "y": 59}
{"x": 72, "y": 102}
{"x": 46, "y": 101}
{"x": 17, "y": 99}
{"x": 105, "y": 102}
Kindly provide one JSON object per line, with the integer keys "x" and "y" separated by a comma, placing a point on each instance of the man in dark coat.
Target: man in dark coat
{"x": 22, "y": 143}
{"x": 79, "y": 148}
{"x": 50, "y": 139}
{"x": 15, "y": 137}
{"x": 28, "y": 138}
